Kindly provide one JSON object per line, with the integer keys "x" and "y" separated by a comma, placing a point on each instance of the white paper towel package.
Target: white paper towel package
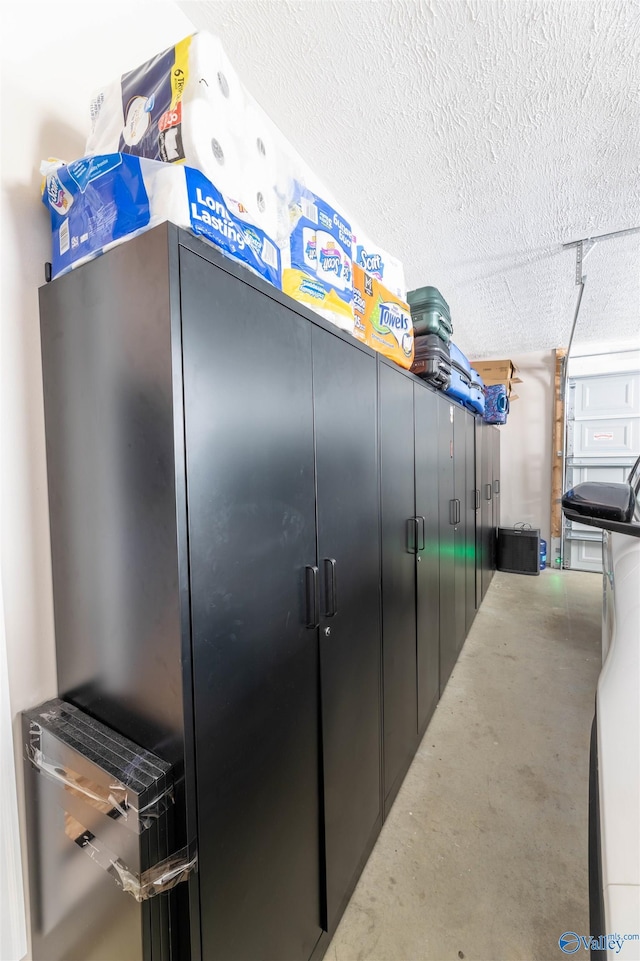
{"x": 100, "y": 201}
{"x": 378, "y": 263}
{"x": 187, "y": 105}
{"x": 317, "y": 262}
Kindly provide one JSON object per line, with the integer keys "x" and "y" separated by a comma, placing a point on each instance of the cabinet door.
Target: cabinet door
{"x": 479, "y": 512}
{"x": 496, "y": 477}
{"x": 469, "y": 509}
{"x": 447, "y": 516}
{"x": 428, "y": 557}
{"x": 344, "y": 390}
{"x": 460, "y": 528}
{"x": 398, "y": 576}
{"x": 252, "y": 534}
{"x": 487, "y": 508}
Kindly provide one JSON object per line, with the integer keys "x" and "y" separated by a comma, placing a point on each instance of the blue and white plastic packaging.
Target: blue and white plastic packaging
{"x": 100, "y": 201}
{"x": 187, "y": 105}
{"x": 376, "y": 262}
{"x": 317, "y": 260}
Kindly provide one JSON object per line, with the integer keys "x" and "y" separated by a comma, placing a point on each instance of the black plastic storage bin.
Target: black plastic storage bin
{"x": 518, "y": 550}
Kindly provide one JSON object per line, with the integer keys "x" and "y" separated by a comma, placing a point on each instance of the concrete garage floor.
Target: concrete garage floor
{"x": 484, "y": 853}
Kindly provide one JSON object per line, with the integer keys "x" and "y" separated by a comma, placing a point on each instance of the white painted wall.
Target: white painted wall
{"x": 525, "y": 446}
{"x": 53, "y": 56}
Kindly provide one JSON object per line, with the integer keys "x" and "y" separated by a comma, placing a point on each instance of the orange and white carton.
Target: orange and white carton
{"x": 381, "y": 319}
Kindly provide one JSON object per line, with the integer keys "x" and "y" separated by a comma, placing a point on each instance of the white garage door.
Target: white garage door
{"x": 603, "y": 442}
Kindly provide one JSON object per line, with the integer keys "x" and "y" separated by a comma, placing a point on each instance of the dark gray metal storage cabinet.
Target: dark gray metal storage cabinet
{"x": 454, "y": 498}
{"x": 488, "y": 447}
{"x": 241, "y": 498}
{"x": 399, "y": 537}
{"x": 212, "y": 463}
{"x": 427, "y": 554}
{"x": 410, "y": 566}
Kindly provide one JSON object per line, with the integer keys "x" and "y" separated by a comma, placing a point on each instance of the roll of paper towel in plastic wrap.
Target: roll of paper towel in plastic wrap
{"x": 317, "y": 262}
{"x": 100, "y": 201}
{"x": 378, "y": 263}
{"x": 187, "y": 105}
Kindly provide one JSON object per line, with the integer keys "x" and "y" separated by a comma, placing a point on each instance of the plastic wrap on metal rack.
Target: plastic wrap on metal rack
{"x": 113, "y": 799}
{"x": 161, "y": 877}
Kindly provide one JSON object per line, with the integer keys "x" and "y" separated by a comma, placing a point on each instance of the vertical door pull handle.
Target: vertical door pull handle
{"x": 421, "y": 531}
{"x": 330, "y": 592}
{"x": 452, "y": 511}
{"x": 487, "y": 491}
{"x": 476, "y": 495}
{"x": 458, "y": 512}
{"x": 496, "y": 486}
{"x": 311, "y": 591}
{"x": 412, "y": 535}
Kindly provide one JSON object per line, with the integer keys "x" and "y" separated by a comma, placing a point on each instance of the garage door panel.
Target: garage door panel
{"x": 610, "y": 395}
{"x": 603, "y": 441}
{"x": 606, "y": 438}
{"x": 586, "y": 555}
{"x": 597, "y": 472}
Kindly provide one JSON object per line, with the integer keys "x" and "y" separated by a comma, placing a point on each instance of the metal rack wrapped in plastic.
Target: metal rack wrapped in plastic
{"x": 101, "y": 780}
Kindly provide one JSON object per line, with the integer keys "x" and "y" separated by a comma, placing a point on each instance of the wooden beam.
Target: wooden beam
{"x": 558, "y": 445}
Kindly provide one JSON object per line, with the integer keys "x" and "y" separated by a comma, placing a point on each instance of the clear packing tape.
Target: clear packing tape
{"x": 156, "y": 880}
{"x": 114, "y": 800}
{"x": 111, "y": 798}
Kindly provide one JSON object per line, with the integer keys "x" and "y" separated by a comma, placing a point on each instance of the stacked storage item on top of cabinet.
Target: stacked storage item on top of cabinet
{"x": 197, "y": 150}
{"x": 317, "y": 264}
{"x": 432, "y": 360}
{"x": 432, "y": 330}
{"x": 430, "y": 313}
{"x": 100, "y": 201}
{"x": 496, "y": 404}
{"x": 460, "y": 385}
{"x": 495, "y": 372}
{"x": 381, "y": 319}
{"x": 187, "y": 105}
{"x": 476, "y": 401}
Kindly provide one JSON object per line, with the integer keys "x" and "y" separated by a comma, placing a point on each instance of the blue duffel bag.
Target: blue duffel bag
{"x": 496, "y": 407}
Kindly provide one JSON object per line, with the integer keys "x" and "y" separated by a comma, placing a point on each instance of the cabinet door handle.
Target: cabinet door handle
{"x": 458, "y": 511}
{"x": 330, "y": 591}
{"x": 421, "y": 531}
{"x": 452, "y": 511}
{"x": 476, "y": 496}
{"x": 487, "y": 491}
{"x": 311, "y": 590}
{"x": 412, "y": 535}
{"x": 496, "y": 486}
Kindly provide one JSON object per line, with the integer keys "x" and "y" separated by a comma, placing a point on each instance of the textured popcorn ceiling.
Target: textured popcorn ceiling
{"x": 471, "y": 139}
